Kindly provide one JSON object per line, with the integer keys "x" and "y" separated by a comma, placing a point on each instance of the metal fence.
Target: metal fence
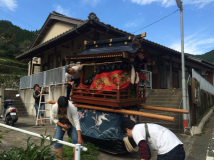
{"x": 204, "y": 84}
{"x": 57, "y": 76}
{"x": 51, "y": 77}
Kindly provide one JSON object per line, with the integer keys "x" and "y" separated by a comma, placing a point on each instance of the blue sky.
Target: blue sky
{"x": 128, "y": 15}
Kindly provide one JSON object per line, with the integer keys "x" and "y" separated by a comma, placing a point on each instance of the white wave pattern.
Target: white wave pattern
{"x": 112, "y": 132}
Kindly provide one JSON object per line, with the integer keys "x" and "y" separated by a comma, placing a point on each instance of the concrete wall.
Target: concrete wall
{"x": 28, "y": 100}
{"x": 56, "y": 29}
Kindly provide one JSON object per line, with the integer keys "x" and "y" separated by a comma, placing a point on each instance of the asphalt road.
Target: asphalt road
{"x": 203, "y": 147}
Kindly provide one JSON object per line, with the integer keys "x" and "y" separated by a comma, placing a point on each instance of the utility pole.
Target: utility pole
{"x": 185, "y": 122}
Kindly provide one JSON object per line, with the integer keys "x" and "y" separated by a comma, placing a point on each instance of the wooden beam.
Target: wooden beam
{"x": 143, "y": 34}
{"x": 54, "y": 58}
{"x": 31, "y": 64}
{"x": 123, "y": 111}
{"x": 165, "y": 109}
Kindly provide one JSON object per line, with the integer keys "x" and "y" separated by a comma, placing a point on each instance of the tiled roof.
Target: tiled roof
{"x": 117, "y": 30}
{"x": 61, "y": 15}
{"x": 69, "y": 31}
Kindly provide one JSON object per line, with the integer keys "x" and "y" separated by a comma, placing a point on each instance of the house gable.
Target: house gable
{"x": 56, "y": 29}
{"x": 55, "y": 25}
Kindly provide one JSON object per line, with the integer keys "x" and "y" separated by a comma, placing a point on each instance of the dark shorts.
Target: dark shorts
{"x": 176, "y": 153}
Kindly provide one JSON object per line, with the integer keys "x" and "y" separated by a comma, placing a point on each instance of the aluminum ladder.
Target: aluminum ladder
{"x": 40, "y": 98}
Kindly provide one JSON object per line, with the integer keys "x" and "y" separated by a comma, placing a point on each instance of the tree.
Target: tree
{"x": 24, "y": 46}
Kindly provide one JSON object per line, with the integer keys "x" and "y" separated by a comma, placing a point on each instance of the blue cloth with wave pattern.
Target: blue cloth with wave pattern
{"x": 104, "y": 125}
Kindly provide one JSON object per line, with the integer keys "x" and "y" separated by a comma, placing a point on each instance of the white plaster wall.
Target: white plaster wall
{"x": 56, "y": 29}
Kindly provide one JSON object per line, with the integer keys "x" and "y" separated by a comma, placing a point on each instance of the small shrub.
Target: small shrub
{"x": 32, "y": 152}
{"x": 91, "y": 154}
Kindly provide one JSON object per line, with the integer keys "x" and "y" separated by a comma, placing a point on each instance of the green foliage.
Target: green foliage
{"x": 13, "y": 63}
{"x": 14, "y": 40}
{"x": 10, "y": 81}
{"x": 19, "y": 34}
{"x": 209, "y": 56}
{"x": 5, "y": 69}
{"x": 91, "y": 154}
{"x": 132, "y": 94}
{"x": 24, "y": 46}
{"x": 32, "y": 152}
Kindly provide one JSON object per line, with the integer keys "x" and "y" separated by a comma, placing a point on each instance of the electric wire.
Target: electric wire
{"x": 18, "y": 19}
{"x": 157, "y": 21}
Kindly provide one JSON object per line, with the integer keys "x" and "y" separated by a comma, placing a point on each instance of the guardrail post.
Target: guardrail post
{"x": 44, "y": 80}
{"x": 30, "y": 82}
{"x": 77, "y": 152}
{"x": 63, "y": 75}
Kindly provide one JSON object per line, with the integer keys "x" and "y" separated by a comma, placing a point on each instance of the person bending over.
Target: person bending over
{"x": 72, "y": 76}
{"x": 156, "y": 137}
{"x": 65, "y": 115}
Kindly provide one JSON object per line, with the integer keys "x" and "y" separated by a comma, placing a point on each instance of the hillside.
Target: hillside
{"x": 209, "y": 56}
{"x": 20, "y": 34}
{"x": 13, "y": 41}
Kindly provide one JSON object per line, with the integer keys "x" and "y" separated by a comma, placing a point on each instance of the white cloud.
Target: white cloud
{"x": 194, "y": 44}
{"x": 61, "y": 10}
{"x": 133, "y": 23}
{"x": 9, "y": 4}
{"x": 168, "y": 3}
{"x": 93, "y": 3}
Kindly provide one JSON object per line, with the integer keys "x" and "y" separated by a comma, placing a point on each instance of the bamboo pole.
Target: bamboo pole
{"x": 165, "y": 109}
{"x": 123, "y": 111}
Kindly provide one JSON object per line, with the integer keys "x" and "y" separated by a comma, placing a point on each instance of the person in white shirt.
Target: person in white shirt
{"x": 156, "y": 137}
{"x": 72, "y": 76}
{"x": 65, "y": 115}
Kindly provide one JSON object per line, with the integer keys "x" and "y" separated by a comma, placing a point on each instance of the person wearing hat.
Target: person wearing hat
{"x": 156, "y": 137}
{"x": 72, "y": 76}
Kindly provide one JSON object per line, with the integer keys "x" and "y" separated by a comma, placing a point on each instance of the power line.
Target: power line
{"x": 18, "y": 19}
{"x": 157, "y": 21}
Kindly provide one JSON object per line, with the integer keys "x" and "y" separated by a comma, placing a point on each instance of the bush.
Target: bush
{"x": 32, "y": 152}
{"x": 91, "y": 154}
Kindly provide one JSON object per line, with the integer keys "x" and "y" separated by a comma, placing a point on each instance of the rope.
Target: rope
{"x": 129, "y": 146}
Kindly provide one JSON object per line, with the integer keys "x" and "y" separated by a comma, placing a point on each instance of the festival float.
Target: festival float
{"x": 109, "y": 91}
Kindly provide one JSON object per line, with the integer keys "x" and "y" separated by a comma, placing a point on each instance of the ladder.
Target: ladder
{"x": 40, "y": 98}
